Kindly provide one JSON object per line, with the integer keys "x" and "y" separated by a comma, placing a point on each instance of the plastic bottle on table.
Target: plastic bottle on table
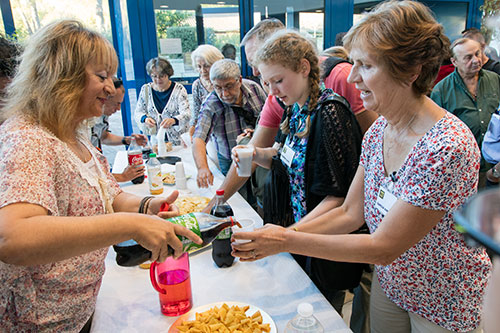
{"x": 154, "y": 175}
{"x": 221, "y": 246}
{"x": 304, "y": 321}
{"x": 134, "y": 154}
{"x": 130, "y": 253}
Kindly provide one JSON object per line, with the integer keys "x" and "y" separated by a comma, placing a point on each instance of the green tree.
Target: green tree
{"x": 490, "y": 8}
{"x": 166, "y": 19}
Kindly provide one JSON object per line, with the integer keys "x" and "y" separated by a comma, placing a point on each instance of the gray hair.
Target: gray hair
{"x": 161, "y": 64}
{"x": 262, "y": 30}
{"x": 461, "y": 41}
{"x": 225, "y": 69}
{"x": 208, "y": 53}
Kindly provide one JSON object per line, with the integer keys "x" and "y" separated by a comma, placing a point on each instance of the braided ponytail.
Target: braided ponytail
{"x": 288, "y": 48}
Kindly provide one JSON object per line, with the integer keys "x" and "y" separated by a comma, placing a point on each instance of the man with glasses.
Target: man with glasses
{"x": 232, "y": 107}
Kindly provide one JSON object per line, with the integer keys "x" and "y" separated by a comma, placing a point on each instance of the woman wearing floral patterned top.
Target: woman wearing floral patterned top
{"x": 325, "y": 140}
{"x": 57, "y": 195}
{"x": 418, "y": 164}
{"x": 163, "y": 103}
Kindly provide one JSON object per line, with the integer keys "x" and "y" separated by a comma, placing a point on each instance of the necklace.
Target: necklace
{"x": 399, "y": 132}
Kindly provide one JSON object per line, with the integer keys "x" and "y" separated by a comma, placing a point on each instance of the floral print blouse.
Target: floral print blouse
{"x": 296, "y": 169}
{"x": 40, "y": 169}
{"x": 440, "y": 278}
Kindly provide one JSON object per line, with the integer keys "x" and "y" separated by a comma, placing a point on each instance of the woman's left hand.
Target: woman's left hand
{"x": 169, "y": 122}
{"x": 264, "y": 242}
{"x": 155, "y": 205}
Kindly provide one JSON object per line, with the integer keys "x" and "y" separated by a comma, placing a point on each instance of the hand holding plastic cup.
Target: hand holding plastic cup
{"x": 244, "y": 154}
{"x": 246, "y": 225}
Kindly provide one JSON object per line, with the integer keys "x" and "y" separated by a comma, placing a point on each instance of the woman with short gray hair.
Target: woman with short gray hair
{"x": 203, "y": 58}
{"x": 163, "y": 103}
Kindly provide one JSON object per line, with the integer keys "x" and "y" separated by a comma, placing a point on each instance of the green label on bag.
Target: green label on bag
{"x": 190, "y": 222}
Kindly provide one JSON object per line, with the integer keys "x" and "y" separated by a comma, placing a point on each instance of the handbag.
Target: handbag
{"x": 491, "y": 141}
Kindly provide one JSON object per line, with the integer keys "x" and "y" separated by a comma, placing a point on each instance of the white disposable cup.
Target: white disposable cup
{"x": 179, "y": 170}
{"x": 180, "y": 183}
{"x": 246, "y": 225}
{"x": 245, "y": 155}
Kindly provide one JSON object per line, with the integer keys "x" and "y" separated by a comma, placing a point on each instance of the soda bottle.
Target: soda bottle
{"x": 146, "y": 150}
{"x": 130, "y": 253}
{"x": 154, "y": 175}
{"x": 134, "y": 154}
{"x": 221, "y": 246}
{"x": 304, "y": 321}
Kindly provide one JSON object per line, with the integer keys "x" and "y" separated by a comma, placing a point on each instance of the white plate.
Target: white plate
{"x": 191, "y": 315}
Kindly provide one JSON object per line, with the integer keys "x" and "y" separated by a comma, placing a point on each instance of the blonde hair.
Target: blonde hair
{"x": 406, "y": 38}
{"x": 51, "y": 77}
{"x": 210, "y": 54}
{"x": 336, "y": 51}
{"x": 287, "y": 48}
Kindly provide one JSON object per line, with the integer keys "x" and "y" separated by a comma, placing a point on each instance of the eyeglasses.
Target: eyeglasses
{"x": 160, "y": 76}
{"x": 227, "y": 87}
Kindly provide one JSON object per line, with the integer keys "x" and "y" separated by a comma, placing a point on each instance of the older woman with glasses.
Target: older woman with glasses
{"x": 203, "y": 58}
{"x": 163, "y": 103}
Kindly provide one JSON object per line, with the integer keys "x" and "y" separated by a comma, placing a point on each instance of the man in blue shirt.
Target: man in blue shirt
{"x": 470, "y": 93}
{"x": 232, "y": 107}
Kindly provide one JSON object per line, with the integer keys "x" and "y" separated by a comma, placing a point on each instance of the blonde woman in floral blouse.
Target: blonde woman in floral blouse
{"x": 163, "y": 103}
{"x": 203, "y": 58}
{"x": 57, "y": 196}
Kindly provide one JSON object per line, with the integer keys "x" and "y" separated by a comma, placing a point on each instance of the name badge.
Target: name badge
{"x": 287, "y": 154}
{"x": 385, "y": 200}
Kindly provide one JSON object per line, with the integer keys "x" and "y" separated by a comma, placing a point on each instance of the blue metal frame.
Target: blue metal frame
{"x": 117, "y": 31}
{"x": 8, "y": 19}
{"x": 343, "y": 11}
{"x": 246, "y": 23}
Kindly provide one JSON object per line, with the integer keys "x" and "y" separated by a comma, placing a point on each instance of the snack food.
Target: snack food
{"x": 225, "y": 319}
{"x": 191, "y": 204}
{"x": 168, "y": 178}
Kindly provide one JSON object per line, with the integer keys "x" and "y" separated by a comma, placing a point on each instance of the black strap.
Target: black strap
{"x": 329, "y": 64}
{"x": 248, "y": 116}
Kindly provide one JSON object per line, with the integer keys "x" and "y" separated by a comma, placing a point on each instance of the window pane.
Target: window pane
{"x": 31, "y": 15}
{"x": 183, "y": 25}
{"x": 307, "y": 16}
{"x": 2, "y": 28}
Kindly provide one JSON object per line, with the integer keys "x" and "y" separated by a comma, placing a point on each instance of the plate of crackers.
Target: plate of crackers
{"x": 224, "y": 317}
{"x": 169, "y": 178}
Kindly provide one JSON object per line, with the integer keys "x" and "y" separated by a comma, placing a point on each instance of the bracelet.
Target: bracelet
{"x": 146, "y": 206}
{"x": 124, "y": 141}
{"x": 295, "y": 229}
{"x": 143, "y": 202}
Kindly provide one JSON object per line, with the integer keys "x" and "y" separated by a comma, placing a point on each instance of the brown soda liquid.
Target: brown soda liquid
{"x": 221, "y": 248}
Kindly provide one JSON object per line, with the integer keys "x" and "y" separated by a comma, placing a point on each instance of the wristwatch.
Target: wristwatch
{"x": 495, "y": 172}
{"x": 124, "y": 141}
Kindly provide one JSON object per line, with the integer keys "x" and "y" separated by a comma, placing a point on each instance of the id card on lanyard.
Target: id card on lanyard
{"x": 287, "y": 154}
{"x": 385, "y": 198}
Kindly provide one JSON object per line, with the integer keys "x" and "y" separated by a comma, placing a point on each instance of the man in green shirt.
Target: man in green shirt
{"x": 470, "y": 93}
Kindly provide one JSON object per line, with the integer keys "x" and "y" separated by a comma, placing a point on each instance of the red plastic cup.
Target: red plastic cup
{"x": 171, "y": 279}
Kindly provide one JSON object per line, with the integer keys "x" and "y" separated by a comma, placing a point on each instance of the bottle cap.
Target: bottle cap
{"x": 305, "y": 309}
{"x": 152, "y": 155}
{"x": 219, "y": 192}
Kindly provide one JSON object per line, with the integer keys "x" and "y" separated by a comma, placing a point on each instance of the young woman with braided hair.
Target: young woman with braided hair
{"x": 319, "y": 149}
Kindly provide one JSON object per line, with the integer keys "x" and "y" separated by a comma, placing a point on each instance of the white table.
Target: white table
{"x": 127, "y": 301}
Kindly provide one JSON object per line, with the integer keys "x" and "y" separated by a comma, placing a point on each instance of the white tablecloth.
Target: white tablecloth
{"x": 128, "y": 303}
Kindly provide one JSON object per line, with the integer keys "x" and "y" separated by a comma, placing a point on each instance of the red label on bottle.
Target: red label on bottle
{"x": 135, "y": 159}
